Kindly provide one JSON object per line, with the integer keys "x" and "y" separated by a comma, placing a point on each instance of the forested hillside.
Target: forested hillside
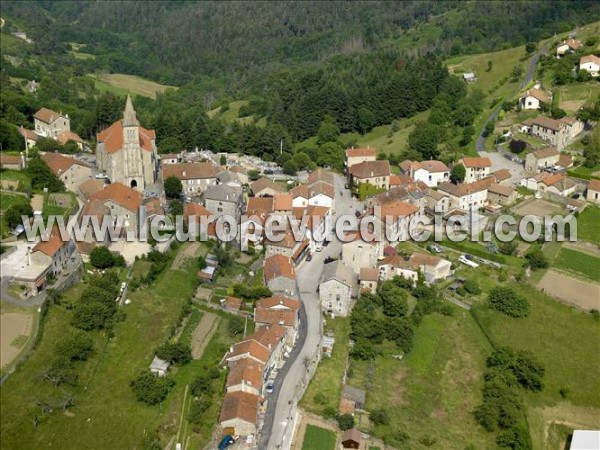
{"x": 177, "y": 42}
{"x": 306, "y": 68}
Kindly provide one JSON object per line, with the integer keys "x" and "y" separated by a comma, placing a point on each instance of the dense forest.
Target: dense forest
{"x": 310, "y": 68}
{"x": 178, "y": 42}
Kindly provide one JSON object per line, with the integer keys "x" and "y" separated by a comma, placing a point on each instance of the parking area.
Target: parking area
{"x": 500, "y": 162}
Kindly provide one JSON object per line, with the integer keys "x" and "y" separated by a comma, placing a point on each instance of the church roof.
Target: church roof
{"x": 129, "y": 116}
{"x": 112, "y": 138}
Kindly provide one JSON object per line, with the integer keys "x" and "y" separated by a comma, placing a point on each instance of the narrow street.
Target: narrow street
{"x": 281, "y": 410}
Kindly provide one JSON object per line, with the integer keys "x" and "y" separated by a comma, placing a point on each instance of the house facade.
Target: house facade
{"x": 70, "y": 171}
{"x": 466, "y": 196}
{"x": 429, "y": 172}
{"x": 223, "y": 200}
{"x": 357, "y": 253}
{"x": 541, "y": 159}
{"x": 337, "y": 288}
{"x": 280, "y": 276}
{"x": 593, "y": 192}
{"x": 590, "y": 63}
{"x": 476, "y": 168}
{"x": 50, "y": 124}
{"x": 358, "y": 155}
{"x": 196, "y": 178}
{"x": 533, "y": 99}
{"x": 375, "y": 173}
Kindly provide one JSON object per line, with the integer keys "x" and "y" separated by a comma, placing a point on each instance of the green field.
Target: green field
{"x": 122, "y": 84}
{"x": 6, "y": 201}
{"x": 327, "y": 382}
{"x": 579, "y": 263}
{"x": 587, "y": 224}
{"x": 316, "y": 438}
{"x": 232, "y": 114}
{"x": 106, "y": 414}
{"x": 431, "y": 393}
{"x": 22, "y": 177}
{"x": 567, "y": 342}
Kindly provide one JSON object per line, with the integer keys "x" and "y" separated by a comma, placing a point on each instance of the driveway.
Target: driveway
{"x": 291, "y": 381}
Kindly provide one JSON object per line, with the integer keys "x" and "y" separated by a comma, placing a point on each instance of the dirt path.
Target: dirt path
{"x": 184, "y": 254}
{"x": 578, "y": 293}
{"x": 37, "y": 202}
{"x": 203, "y": 332}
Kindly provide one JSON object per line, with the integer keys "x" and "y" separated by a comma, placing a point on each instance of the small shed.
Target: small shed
{"x": 352, "y": 399}
{"x": 327, "y": 345}
{"x": 469, "y": 77}
{"x": 351, "y": 438}
{"x": 159, "y": 367}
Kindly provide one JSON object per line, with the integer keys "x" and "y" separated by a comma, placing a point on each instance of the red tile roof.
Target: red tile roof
{"x": 67, "y": 136}
{"x": 51, "y": 246}
{"x": 269, "y": 336}
{"x": 245, "y": 371}
{"x": 47, "y": 115}
{"x": 590, "y": 59}
{"x": 476, "y": 162}
{"x": 239, "y": 405}
{"x": 545, "y": 152}
{"x": 368, "y": 274}
{"x": 190, "y": 171}
{"x": 278, "y": 266}
{"x": 594, "y": 185}
{"x": 260, "y": 205}
{"x": 321, "y": 187}
{"x": 398, "y": 209}
{"x": 278, "y": 309}
{"x": 538, "y": 94}
{"x": 112, "y": 138}
{"x": 282, "y": 202}
{"x": 361, "y": 152}
{"x": 10, "y": 159}
{"x": 320, "y": 175}
{"x": 431, "y": 166}
{"x": 59, "y": 163}
{"x": 300, "y": 191}
{"x": 128, "y": 198}
{"x": 370, "y": 169}
{"x": 264, "y": 183}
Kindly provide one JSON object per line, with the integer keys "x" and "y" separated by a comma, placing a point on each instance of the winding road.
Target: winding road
{"x": 528, "y": 77}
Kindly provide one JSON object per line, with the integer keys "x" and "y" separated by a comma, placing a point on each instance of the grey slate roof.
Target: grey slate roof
{"x": 337, "y": 270}
{"x": 223, "y": 193}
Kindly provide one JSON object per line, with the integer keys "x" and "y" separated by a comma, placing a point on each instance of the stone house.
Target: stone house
{"x": 70, "y": 171}
{"x": 126, "y": 151}
{"x": 196, "y": 178}
{"x": 279, "y": 310}
{"x": 375, "y": 173}
{"x": 569, "y": 46}
{"x": 30, "y": 137}
{"x": 358, "y": 155}
{"x": 502, "y": 176}
{"x": 358, "y": 253}
{"x": 437, "y": 202}
{"x": 170, "y": 158}
{"x": 223, "y": 200}
{"x": 321, "y": 175}
{"x": 504, "y": 195}
{"x": 558, "y": 133}
{"x": 593, "y": 191}
{"x": 239, "y": 413}
{"x": 545, "y": 182}
{"x": 432, "y": 267}
{"x": 467, "y": 196}
{"x": 337, "y": 288}
{"x": 48, "y": 123}
{"x": 264, "y": 187}
{"x": 397, "y": 221}
{"x": 122, "y": 202}
{"x": 541, "y": 159}
{"x": 12, "y": 162}
{"x": 56, "y": 249}
{"x": 368, "y": 278}
{"x": 280, "y": 276}
{"x": 245, "y": 375}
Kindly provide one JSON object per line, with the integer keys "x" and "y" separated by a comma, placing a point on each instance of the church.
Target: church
{"x": 126, "y": 151}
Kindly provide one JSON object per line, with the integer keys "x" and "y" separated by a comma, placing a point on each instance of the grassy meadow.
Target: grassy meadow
{"x": 122, "y": 84}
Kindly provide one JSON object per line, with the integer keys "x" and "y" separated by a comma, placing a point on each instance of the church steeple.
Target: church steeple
{"x": 129, "y": 115}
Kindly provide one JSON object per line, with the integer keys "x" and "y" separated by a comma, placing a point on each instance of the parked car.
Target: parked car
{"x": 467, "y": 262}
{"x": 309, "y": 256}
{"x": 357, "y": 213}
{"x": 226, "y": 442}
{"x": 319, "y": 247}
{"x": 270, "y": 388}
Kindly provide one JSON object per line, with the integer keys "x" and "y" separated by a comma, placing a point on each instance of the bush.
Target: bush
{"x": 175, "y": 353}
{"x": 516, "y": 438}
{"x": 102, "y": 258}
{"x": 508, "y": 248}
{"x": 151, "y": 389}
{"x": 197, "y": 408}
{"x": 517, "y": 146}
{"x": 537, "y": 259}
{"x": 507, "y": 301}
{"x": 472, "y": 287}
{"x": 379, "y": 417}
{"x": 77, "y": 346}
{"x": 345, "y": 421}
{"x": 461, "y": 291}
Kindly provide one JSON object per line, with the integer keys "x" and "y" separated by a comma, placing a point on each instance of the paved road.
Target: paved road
{"x": 528, "y": 77}
{"x": 278, "y": 423}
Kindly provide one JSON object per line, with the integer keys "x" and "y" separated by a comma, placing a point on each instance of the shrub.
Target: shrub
{"x": 345, "y": 421}
{"x": 379, "y": 417}
{"x": 197, "y": 408}
{"x": 537, "y": 259}
{"x": 102, "y": 258}
{"x": 461, "y": 291}
{"x": 77, "y": 346}
{"x": 176, "y": 353}
{"x": 472, "y": 287}
{"x": 507, "y": 301}
{"x": 151, "y": 389}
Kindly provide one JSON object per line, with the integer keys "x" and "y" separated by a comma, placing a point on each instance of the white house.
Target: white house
{"x": 556, "y": 183}
{"x": 533, "y": 99}
{"x": 432, "y": 267}
{"x": 590, "y": 63}
{"x": 568, "y": 46}
{"x": 337, "y": 288}
{"x": 593, "y": 192}
{"x": 321, "y": 194}
{"x": 50, "y": 124}
{"x": 429, "y": 172}
{"x": 300, "y": 196}
{"x": 467, "y": 196}
{"x": 476, "y": 168}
